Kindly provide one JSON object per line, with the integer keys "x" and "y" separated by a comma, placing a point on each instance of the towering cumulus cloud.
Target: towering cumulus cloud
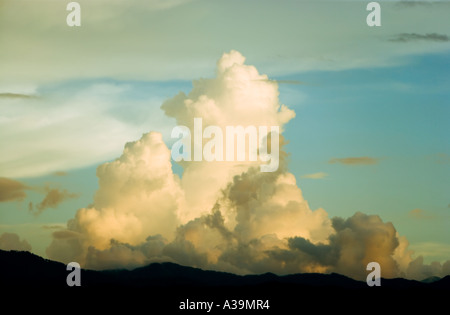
{"x": 218, "y": 215}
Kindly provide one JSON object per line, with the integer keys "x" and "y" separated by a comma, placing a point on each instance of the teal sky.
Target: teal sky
{"x": 357, "y": 92}
{"x": 398, "y": 115}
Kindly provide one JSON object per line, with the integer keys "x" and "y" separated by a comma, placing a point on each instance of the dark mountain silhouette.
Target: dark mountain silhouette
{"x": 431, "y": 279}
{"x": 166, "y": 285}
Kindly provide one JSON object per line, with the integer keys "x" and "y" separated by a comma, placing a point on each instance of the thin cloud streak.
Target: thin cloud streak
{"x": 364, "y": 160}
{"x": 319, "y": 175}
{"x": 410, "y": 37}
{"x": 17, "y": 95}
{"x": 420, "y": 214}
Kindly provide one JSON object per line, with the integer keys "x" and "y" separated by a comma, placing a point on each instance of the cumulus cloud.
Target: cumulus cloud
{"x": 11, "y": 190}
{"x": 364, "y": 160}
{"x": 418, "y": 270}
{"x": 11, "y": 241}
{"x": 138, "y": 195}
{"x": 353, "y": 243}
{"x": 226, "y": 216}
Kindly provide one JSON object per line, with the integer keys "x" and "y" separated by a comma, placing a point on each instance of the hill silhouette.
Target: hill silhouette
{"x": 166, "y": 285}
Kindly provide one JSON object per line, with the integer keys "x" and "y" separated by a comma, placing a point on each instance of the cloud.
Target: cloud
{"x": 293, "y": 82}
{"x": 419, "y": 214}
{"x": 59, "y": 173}
{"x": 365, "y": 160}
{"x": 239, "y": 95}
{"x": 409, "y": 37}
{"x": 139, "y": 192}
{"x": 52, "y": 199}
{"x": 431, "y": 250}
{"x": 65, "y": 235}
{"x": 11, "y": 190}
{"x": 53, "y": 226}
{"x": 16, "y": 95}
{"x": 413, "y": 3}
{"x": 173, "y": 22}
{"x": 356, "y": 241}
{"x": 441, "y": 158}
{"x": 319, "y": 175}
{"x": 138, "y": 196}
{"x": 364, "y": 238}
{"x": 11, "y": 241}
{"x": 226, "y": 216}
{"x": 62, "y": 132}
{"x": 420, "y": 271}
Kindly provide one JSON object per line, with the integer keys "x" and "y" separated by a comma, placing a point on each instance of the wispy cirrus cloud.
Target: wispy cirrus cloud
{"x": 168, "y": 62}
{"x": 364, "y": 160}
{"x": 17, "y": 95}
{"x": 413, "y": 3}
{"x": 45, "y": 137}
{"x": 53, "y": 226}
{"x": 292, "y": 82}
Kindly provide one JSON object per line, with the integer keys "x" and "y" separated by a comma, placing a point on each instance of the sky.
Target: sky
{"x": 86, "y": 115}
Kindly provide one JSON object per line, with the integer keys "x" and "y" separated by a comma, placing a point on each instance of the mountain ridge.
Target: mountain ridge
{"x": 19, "y": 267}
{"x": 164, "y": 287}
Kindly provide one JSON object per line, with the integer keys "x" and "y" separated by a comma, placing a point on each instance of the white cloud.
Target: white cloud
{"x": 62, "y": 130}
{"x": 222, "y": 215}
{"x": 139, "y": 196}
